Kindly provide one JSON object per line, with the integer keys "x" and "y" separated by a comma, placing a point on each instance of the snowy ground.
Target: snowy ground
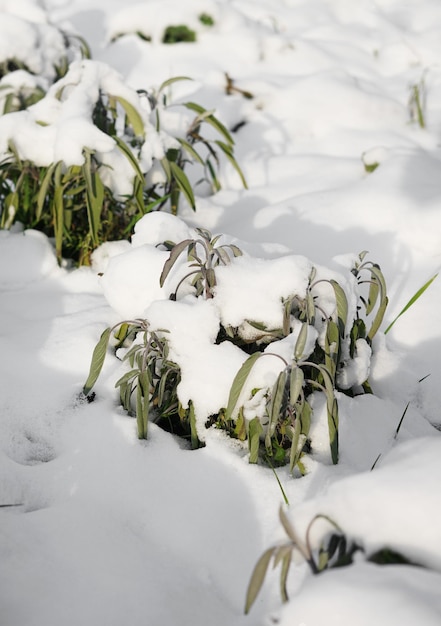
{"x": 112, "y": 531}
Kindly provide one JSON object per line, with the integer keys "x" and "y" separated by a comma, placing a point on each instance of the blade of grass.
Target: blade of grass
{"x": 412, "y": 301}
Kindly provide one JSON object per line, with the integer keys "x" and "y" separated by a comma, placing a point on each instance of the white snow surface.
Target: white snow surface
{"x": 110, "y": 530}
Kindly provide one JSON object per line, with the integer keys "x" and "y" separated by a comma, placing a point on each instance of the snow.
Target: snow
{"x": 111, "y": 530}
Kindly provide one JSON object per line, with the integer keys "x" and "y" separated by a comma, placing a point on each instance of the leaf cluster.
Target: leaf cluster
{"x": 148, "y": 389}
{"x": 203, "y": 254}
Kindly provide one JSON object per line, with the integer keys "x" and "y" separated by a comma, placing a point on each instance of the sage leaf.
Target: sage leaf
{"x": 255, "y": 430}
{"x": 98, "y": 356}
{"x": 257, "y": 578}
{"x": 238, "y": 384}
{"x": 174, "y": 254}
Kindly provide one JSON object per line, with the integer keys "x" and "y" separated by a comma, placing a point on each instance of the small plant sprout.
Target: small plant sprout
{"x": 204, "y": 255}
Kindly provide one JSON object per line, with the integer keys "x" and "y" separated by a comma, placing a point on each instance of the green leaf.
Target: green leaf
{"x": 257, "y": 578}
{"x": 305, "y": 418}
{"x": 286, "y": 562}
{"x": 332, "y": 347}
{"x": 238, "y": 384}
{"x": 277, "y": 396}
{"x": 296, "y": 381}
{"x": 166, "y": 167}
{"x": 377, "y": 274}
{"x": 374, "y": 290}
{"x": 43, "y": 191}
{"x": 94, "y": 197}
{"x": 126, "y": 377}
{"x": 130, "y": 157}
{"x": 342, "y": 306}
{"x": 412, "y": 301}
{"x": 288, "y": 528}
{"x": 332, "y": 409}
{"x": 193, "y": 427}
{"x": 172, "y": 80}
{"x": 98, "y": 356}
{"x": 294, "y": 452}
{"x": 143, "y": 403}
{"x": 133, "y": 116}
{"x": 235, "y": 250}
{"x": 378, "y": 318}
{"x": 310, "y": 308}
{"x": 183, "y": 183}
{"x": 174, "y": 254}
{"x": 207, "y": 116}
{"x": 191, "y": 151}
{"x": 228, "y": 151}
{"x": 301, "y": 342}
{"x": 255, "y": 430}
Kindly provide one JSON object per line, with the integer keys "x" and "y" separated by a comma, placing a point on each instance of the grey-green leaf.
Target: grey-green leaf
{"x": 255, "y": 430}
{"x": 296, "y": 384}
{"x": 174, "y": 254}
{"x": 238, "y": 384}
{"x": 342, "y": 306}
{"x": 133, "y": 116}
{"x": 257, "y": 578}
{"x": 183, "y": 183}
{"x": 301, "y": 342}
{"x": 98, "y": 356}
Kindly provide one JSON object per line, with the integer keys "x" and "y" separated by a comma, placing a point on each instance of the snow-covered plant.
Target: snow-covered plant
{"x": 303, "y": 342}
{"x": 335, "y": 550}
{"x": 148, "y": 390}
{"x": 90, "y": 157}
{"x": 204, "y": 255}
{"x": 30, "y": 63}
{"x": 330, "y": 353}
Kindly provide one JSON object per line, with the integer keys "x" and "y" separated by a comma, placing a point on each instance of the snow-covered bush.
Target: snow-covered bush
{"x": 33, "y": 54}
{"x": 85, "y": 157}
{"x": 273, "y": 338}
